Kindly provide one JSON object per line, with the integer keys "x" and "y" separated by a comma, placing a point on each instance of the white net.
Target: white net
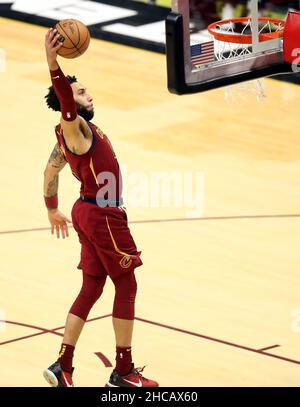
{"x": 226, "y": 50}
{"x": 240, "y": 93}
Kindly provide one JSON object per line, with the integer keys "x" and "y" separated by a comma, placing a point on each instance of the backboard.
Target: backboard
{"x": 196, "y": 61}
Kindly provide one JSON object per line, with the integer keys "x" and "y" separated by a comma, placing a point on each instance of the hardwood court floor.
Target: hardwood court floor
{"x": 217, "y": 287}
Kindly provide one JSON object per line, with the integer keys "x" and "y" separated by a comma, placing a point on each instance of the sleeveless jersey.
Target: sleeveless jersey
{"x": 89, "y": 167}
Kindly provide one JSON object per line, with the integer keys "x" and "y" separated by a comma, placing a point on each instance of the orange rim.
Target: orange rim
{"x": 245, "y": 38}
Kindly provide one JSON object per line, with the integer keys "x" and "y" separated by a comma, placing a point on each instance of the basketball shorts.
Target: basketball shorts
{"x": 107, "y": 247}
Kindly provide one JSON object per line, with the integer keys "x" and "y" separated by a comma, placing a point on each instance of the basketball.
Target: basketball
{"x": 75, "y": 37}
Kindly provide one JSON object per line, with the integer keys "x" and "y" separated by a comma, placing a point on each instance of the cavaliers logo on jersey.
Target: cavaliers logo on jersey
{"x": 125, "y": 262}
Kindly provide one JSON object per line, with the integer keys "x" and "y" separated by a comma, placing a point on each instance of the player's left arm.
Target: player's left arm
{"x": 57, "y": 219}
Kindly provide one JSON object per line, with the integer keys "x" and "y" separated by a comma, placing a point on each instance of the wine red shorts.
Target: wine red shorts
{"x": 107, "y": 247}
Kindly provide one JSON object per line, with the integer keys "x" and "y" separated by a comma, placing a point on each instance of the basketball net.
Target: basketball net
{"x": 239, "y": 93}
{"x": 235, "y": 38}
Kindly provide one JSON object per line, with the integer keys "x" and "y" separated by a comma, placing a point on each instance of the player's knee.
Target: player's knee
{"x": 126, "y": 289}
{"x": 90, "y": 292}
{"x": 81, "y": 307}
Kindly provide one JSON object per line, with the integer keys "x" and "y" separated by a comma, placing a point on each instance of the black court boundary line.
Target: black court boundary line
{"x": 235, "y": 217}
{"x": 206, "y": 337}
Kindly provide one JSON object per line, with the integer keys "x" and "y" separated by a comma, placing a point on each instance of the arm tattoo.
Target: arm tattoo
{"x": 57, "y": 159}
{"x": 52, "y": 187}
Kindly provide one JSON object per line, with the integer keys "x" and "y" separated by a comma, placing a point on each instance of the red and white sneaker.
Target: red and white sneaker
{"x": 57, "y": 377}
{"x": 133, "y": 379}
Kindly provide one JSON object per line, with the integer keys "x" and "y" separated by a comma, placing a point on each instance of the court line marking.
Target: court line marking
{"x": 268, "y": 347}
{"x": 236, "y": 217}
{"x": 210, "y": 338}
{"x": 43, "y": 330}
{"x": 104, "y": 359}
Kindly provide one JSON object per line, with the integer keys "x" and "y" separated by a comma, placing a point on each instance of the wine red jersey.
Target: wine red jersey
{"x": 97, "y": 167}
{"x": 107, "y": 247}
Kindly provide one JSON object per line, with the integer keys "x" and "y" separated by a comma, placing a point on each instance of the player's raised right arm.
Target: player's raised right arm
{"x": 70, "y": 121}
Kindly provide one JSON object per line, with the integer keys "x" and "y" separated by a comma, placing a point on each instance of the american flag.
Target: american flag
{"x": 202, "y": 53}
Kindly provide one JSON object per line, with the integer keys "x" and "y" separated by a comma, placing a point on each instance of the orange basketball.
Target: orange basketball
{"x": 75, "y": 37}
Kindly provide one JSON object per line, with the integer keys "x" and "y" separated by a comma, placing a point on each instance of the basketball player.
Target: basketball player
{"x": 107, "y": 247}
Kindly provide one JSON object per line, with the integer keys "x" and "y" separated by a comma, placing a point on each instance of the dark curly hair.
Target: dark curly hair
{"x": 51, "y": 98}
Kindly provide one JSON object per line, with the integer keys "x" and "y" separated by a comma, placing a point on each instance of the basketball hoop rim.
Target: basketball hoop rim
{"x": 245, "y": 38}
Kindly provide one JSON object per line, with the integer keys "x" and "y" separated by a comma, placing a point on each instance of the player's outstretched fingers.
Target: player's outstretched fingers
{"x": 65, "y": 228}
{"x": 57, "y": 231}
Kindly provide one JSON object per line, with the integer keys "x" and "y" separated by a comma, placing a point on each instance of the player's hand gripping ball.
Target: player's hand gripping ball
{"x": 75, "y": 37}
